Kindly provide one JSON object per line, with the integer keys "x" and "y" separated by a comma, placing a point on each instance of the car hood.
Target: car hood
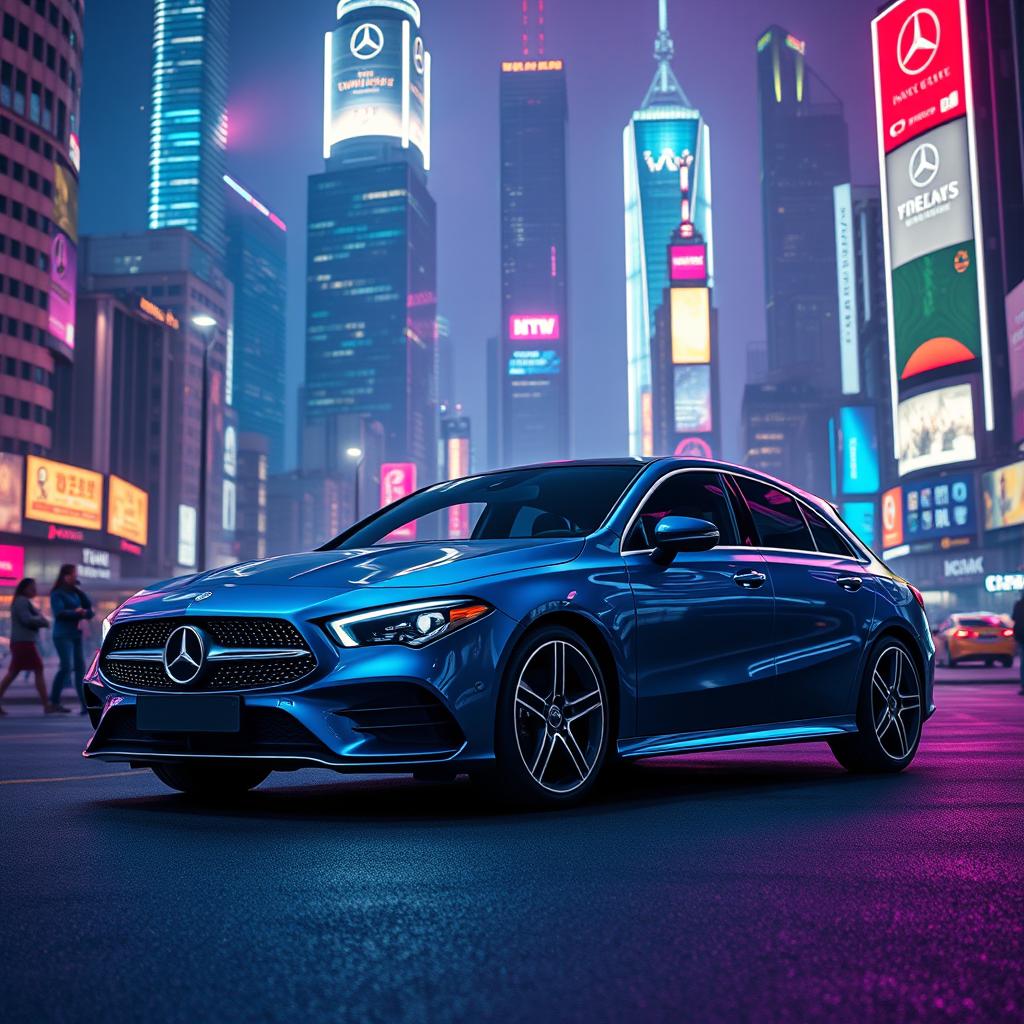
{"x": 436, "y": 564}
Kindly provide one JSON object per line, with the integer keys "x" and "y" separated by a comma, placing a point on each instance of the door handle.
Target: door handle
{"x": 749, "y": 580}
{"x": 851, "y": 583}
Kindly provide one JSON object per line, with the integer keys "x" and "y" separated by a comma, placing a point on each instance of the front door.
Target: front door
{"x": 704, "y": 623}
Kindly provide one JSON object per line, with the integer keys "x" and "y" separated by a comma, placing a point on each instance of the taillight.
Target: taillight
{"x": 963, "y": 633}
{"x": 918, "y": 596}
{"x": 1007, "y": 632}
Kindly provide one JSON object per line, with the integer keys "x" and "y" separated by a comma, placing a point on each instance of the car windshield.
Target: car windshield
{"x": 541, "y": 503}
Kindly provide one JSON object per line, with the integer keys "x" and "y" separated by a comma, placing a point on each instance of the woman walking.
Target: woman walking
{"x": 26, "y": 622}
{"x": 71, "y": 607}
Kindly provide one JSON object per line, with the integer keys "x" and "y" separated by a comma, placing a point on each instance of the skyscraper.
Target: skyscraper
{"x": 371, "y": 304}
{"x": 40, "y": 85}
{"x": 804, "y": 155}
{"x": 188, "y": 126}
{"x": 535, "y": 357}
{"x": 255, "y": 262}
{"x": 665, "y": 143}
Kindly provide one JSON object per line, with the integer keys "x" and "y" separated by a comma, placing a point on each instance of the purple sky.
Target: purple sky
{"x": 276, "y": 117}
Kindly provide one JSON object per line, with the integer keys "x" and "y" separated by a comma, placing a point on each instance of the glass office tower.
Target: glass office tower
{"x": 188, "y": 126}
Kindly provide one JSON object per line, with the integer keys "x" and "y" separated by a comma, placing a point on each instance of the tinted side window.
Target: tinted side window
{"x": 699, "y": 495}
{"x": 777, "y": 516}
{"x": 825, "y": 536}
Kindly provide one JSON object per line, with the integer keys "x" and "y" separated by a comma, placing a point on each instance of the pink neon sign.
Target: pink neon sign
{"x": 547, "y": 326}
{"x": 12, "y": 564}
{"x": 397, "y": 479}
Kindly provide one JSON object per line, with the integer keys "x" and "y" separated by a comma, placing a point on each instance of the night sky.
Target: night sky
{"x": 275, "y": 135}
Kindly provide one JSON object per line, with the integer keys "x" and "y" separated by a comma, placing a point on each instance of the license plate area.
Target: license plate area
{"x": 188, "y": 712}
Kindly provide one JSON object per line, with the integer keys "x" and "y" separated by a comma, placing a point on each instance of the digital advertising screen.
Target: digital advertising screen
{"x": 688, "y": 262}
{"x": 12, "y": 473}
{"x": 544, "y": 326}
{"x": 376, "y": 81}
{"x": 534, "y": 362}
{"x": 1002, "y": 496}
{"x": 858, "y": 450}
{"x": 397, "y": 479}
{"x": 62, "y": 494}
{"x": 860, "y": 517}
{"x": 188, "y": 521}
{"x": 691, "y": 325}
{"x": 65, "y": 201}
{"x": 12, "y": 564}
{"x": 692, "y": 399}
{"x": 846, "y": 281}
{"x": 63, "y": 288}
{"x": 919, "y": 58}
{"x": 936, "y": 428}
{"x": 939, "y": 509}
{"x": 892, "y": 518}
{"x": 1015, "y": 336}
{"x": 127, "y": 511}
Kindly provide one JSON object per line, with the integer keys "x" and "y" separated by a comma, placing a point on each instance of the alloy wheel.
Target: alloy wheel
{"x": 559, "y": 712}
{"x": 895, "y": 703}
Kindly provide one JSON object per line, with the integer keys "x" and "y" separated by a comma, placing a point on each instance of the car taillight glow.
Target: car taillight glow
{"x": 1007, "y": 632}
{"x": 918, "y": 596}
{"x": 962, "y": 633}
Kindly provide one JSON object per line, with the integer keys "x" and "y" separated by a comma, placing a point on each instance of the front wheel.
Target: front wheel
{"x": 890, "y": 712}
{"x": 211, "y": 781}
{"x": 552, "y": 732}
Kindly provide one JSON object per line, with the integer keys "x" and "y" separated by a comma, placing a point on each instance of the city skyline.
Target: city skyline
{"x": 274, "y": 143}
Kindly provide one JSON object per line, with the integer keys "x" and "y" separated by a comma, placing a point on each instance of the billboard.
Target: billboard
{"x": 12, "y": 473}
{"x": 692, "y": 399}
{"x": 892, "y": 518}
{"x": 936, "y": 428}
{"x": 64, "y": 495}
{"x": 691, "y": 325}
{"x": 858, "y": 450}
{"x": 688, "y": 262}
{"x": 934, "y": 249}
{"x": 127, "y": 511}
{"x": 693, "y": 448}
{"x": 1002, "y": 496}
{"x": 65, "y": 201}
{"x": 397, "y": 479}
{"x": 939, "y": 509}
{"x": 188, "y": 521}
{"x": 1015, "y": 336}
{"x": 846, "y": 280}
{"x": 547, "y": 327}
{"x": 12, "y": 564}
{"x": 532, "y": 362}
{"x": 920, "y": 68}
{"x": 377, "y": 81}
{"x": 63, "y": 289}
{"x": 860, "y": 517}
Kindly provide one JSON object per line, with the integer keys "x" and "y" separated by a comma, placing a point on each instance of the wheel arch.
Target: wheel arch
{"x": 906, "y": 636}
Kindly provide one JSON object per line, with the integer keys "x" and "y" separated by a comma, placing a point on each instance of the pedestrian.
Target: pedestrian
{"x": 1018, "y": 634}
{"x": 26, "y": 622}
{"x": 71, "y": 607}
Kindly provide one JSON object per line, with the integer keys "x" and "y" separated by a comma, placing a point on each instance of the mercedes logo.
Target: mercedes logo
{"x": 204, "y": 596}
{"x": 918, "y": 41}
{"x": 367, "y": 41}
{"x": 184, "y": 655}
{"x": 418, "y": 59}
{"x": 924, "y": 165}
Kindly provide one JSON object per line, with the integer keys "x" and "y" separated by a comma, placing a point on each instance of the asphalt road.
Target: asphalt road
{"x": 757, "y": 886}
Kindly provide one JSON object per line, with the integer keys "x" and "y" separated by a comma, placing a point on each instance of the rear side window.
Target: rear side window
{"x": 825, "y": 536}
{"x": 777, "y": 517}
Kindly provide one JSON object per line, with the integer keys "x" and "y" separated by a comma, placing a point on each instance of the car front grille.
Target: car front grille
{"x": 244, "y": 654}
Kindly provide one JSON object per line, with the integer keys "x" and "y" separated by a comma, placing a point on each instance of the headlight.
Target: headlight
{"x": 411, "y": 625}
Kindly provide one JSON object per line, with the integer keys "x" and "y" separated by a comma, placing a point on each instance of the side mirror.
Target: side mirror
{"x": 674, "y": 534}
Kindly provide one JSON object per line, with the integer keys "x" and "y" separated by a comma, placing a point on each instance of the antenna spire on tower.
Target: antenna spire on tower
{"x": 533, "y": 25}
{"x": 665, "y": 88}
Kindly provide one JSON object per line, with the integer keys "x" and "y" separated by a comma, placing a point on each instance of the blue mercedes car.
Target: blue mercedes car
{"x": 531, "y": 627}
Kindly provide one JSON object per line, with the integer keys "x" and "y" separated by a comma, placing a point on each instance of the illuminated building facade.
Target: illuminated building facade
{"x": 535, "y": 351}
{"x": 255, "y": 262}
{"x": 371, "y": 306}
{"x": 40, "y": 87}
{"x": 665, "y": 142}
{"x": 188, "y": 120}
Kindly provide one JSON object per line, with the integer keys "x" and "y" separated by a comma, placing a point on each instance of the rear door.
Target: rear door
{"x": 824, "y": 604}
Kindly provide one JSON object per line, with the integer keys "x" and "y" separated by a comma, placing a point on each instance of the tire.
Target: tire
{"x": 553, "y": 723}
{"x": 210, "y": 781}
{"x": 890, "y": 713}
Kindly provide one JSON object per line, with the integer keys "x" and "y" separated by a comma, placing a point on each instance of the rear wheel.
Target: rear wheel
{"x": 890, "y": 712}
{"x": 211, "y": 781}
{"x": 552, "y": 736}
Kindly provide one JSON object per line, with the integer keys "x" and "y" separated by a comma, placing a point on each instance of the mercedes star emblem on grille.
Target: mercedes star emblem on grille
{"x": 184, "y": 655}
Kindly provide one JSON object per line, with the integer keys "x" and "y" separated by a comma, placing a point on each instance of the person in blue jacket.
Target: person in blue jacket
{"x": 71, "y": 607}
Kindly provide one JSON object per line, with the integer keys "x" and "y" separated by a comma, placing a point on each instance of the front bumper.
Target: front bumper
{"x": 387, "y": 708}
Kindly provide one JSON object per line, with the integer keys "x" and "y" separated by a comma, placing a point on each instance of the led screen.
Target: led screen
{"x": 12, "y": 471}
{"x": 691, "y": 325}
{"x": 936, "y": 509}
{"x": 63, "y": 494}
{"x": 1015, "y": 336}
{"x": 63, "y": 288}
{"x": 860, "y": 517}
{"x": 534, "y": 362}
{"x": 127, "y": 511}
{"x": 858, "y": 448}
{"x": 1003, "y": 496}
{"x": 692, "y": 399}
{"x": 688, "y": 262}
{"x": 846, "y": 281}
{"x": 892, "y": 518}
{"x": 936, "y": 428}
{"x": 397, "y": 479}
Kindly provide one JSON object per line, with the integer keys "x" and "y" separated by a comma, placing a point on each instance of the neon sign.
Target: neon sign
{"x": 546, "y": 327}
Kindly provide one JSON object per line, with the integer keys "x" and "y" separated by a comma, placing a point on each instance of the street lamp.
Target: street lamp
{"x": 205, "y": 326}
{"x": 356, "y": 455}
